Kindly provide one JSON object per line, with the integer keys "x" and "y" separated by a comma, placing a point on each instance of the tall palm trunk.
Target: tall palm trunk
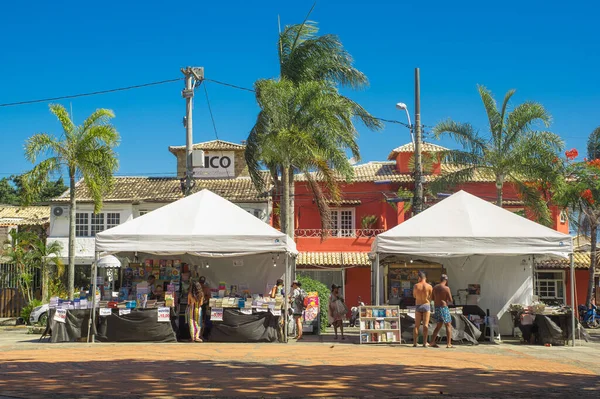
{"x": 284, "y": 204}
{"x": 499, "y": 190}
{"x": 291, "y": 213}
{"x": 71, "y": 270}
{"x": 45, "y": 281}
{"x": 593, "y": 257}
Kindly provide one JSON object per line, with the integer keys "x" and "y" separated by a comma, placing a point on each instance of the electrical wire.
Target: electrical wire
{"x": 93, "y": 93}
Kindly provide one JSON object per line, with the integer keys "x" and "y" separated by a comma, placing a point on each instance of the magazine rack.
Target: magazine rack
{"x": 380, "y": 325}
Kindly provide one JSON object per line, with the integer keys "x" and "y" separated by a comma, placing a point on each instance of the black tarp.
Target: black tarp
{"x": 462, "y": 329}
{"x": 141, "y": 325}
{"x": 73, "y": 329}
{"x": 239, "y": 327}
{"x": 552, "y": 329}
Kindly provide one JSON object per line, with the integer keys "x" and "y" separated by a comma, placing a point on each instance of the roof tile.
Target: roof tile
{"x": 28, "y": 215}
{"x": 333, "y": 259}
{"x": 214, "y": 145}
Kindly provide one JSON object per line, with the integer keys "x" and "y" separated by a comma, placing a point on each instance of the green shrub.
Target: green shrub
{"x": 26, "y": 311}
{"x": 310, "y": 285}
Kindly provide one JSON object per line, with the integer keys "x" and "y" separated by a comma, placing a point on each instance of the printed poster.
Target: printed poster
{"x": 216, "y": 314}
{"x": 105, "y": 312}
{"x": 124, "y": 311}
{"x": 164, "y": 314}
{"x": 60, "y": 315}
{"x": 312, "y": 306}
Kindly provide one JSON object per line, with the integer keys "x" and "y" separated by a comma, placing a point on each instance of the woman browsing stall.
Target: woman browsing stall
{"x": 194, "y": 311}
{"x": 337, "y": 310}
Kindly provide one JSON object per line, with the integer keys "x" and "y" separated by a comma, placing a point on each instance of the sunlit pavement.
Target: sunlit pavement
{"x": 317, "y": 367}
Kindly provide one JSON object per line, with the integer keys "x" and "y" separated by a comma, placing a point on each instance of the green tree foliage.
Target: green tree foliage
{"x": 86, "y": 151}
{"x": 512, "y": 151}
{"x": 580, "y": 192}
{"x": 310, "y": 285}
{"x": 12, "y": 193}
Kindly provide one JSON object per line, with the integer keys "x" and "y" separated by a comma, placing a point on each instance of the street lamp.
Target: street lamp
{"x": 402, "y": 106}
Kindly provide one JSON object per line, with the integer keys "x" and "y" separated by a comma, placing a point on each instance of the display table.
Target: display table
{"x": 239, "y": 327}
{"x": 141, "y": 325}
{"x": 75, "y": 327}
{"x": 462, "y": 328}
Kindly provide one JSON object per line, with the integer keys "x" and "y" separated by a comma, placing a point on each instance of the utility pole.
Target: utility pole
{"x": 192, "y": 76}
{"x": 418, "y": 194}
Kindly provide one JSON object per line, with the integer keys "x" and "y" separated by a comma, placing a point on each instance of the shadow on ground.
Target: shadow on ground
{"x": 130, "y": 378}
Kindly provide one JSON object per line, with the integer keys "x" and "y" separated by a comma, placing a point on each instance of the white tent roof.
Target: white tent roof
{"x": 463, "y": 225}
{"x": 201, "y": 223}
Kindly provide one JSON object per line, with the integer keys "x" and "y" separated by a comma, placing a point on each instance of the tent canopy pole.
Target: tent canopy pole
{"x": 573, "y": 305}
{"x": 377, "y": 283}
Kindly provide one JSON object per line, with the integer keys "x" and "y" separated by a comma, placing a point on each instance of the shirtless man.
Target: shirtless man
{"x": 422, "y": 294}
{"x": 441, "y": 297}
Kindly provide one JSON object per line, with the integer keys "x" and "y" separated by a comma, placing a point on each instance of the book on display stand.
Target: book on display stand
{"x": 379, "y": 324}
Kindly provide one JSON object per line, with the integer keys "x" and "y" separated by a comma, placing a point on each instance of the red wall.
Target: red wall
{"x": 581, "y": 284}
{"x": 358, "y": 282}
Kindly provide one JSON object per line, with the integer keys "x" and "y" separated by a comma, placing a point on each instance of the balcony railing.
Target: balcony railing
{"x": 338, "y": 233}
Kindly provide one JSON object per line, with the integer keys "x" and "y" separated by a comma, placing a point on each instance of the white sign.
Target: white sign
{"x": 216, "y": 314}
{"x": 124, "y": 311}
{"x": 246, "y": 310}
{"x": 61, "y": 315}
{"x": 105, "y": 311}
{"x": 275, "y": 312}
{"x": 164, "y": 314}
{"x": 216, "y": 164}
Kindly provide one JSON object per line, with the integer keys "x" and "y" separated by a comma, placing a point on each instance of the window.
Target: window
{"x": 81, "y": 225}
{"x": 90, "y": 224}
{"x": 550, "y": 286}
{"x": 97, "y": 223}
{"x": 112, "y": 220}
{"x": 342, "y": 222}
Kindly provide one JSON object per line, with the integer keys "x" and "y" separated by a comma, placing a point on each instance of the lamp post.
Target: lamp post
{"x": 402, "y": 106}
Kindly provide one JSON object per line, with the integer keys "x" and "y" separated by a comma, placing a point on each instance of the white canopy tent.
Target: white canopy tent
{"x": 207, "y": 230}
{"x": 478, "y": 242}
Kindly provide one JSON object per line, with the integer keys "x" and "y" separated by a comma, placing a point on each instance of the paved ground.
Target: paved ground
{"x": 303, "y": 369}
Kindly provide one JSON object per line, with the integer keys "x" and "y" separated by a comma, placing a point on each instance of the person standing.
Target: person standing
{"x": 337, "y": 310}
{"x": 275, "y": 291}
{"x": 422, "y": 293}
{"x": 297, "y": 305}
{"x": 442, "y": 296}
{"x": 194, "y": 311}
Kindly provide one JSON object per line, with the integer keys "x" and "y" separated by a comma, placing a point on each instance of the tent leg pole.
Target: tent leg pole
{"x": 572, "y": 299}
{"x": 286, "y": 304}
{"x": 377, "y": 284}
{"x": 93, "y": 315}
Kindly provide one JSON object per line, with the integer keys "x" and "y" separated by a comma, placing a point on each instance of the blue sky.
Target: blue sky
{"x": 547, "y": 50}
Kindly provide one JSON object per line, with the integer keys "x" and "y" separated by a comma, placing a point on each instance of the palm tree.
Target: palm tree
{"x": 85, "y": 151}
{"x": 513, "y": 151}
{"x": 306, "y": 58}
{"x": 46, "y": 257}
{"x": 580, "y": 192}
{"x": 17, "y": 252}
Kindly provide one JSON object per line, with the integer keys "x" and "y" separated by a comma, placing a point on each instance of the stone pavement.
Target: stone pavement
{"x": 303, "y": 369}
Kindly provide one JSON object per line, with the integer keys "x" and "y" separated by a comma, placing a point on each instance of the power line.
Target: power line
{"x": 230, "y": 85}
{"x": 93, "y": 93}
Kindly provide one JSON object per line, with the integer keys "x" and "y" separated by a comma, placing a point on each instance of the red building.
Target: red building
{"x": 370, "y": 205}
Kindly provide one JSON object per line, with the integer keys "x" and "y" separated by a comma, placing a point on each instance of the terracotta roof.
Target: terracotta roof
{"x": 386, "y": 171}
{"x": 166, "y": 189}
{"x": 19, "y": 216}
{"x": 333, "y": 259}
{"x": 214, "y": 145}
{"x": 410, "y": 147}
{"x": 581, "y": 260}
{"x": 345, "y": 202}
{"x": 581, "y": 240}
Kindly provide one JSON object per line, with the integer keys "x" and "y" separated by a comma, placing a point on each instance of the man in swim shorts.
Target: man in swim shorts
{"x": 422, "y": 293}
{"x": 442, "y": 296}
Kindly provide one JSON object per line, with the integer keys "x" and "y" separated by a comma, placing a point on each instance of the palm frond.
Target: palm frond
{"x": 534, "y": 202}
{"x": 41, "y": 144}
{"x": 463, "y": 133}
{"x": 64, "y": 118}
{"x": 494, "y": 117}
{"x": 452, "y": 180}
{"x": 36, "y": 179}
{"x": 97, "y": 165}
{"x": 520, "y": 121}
